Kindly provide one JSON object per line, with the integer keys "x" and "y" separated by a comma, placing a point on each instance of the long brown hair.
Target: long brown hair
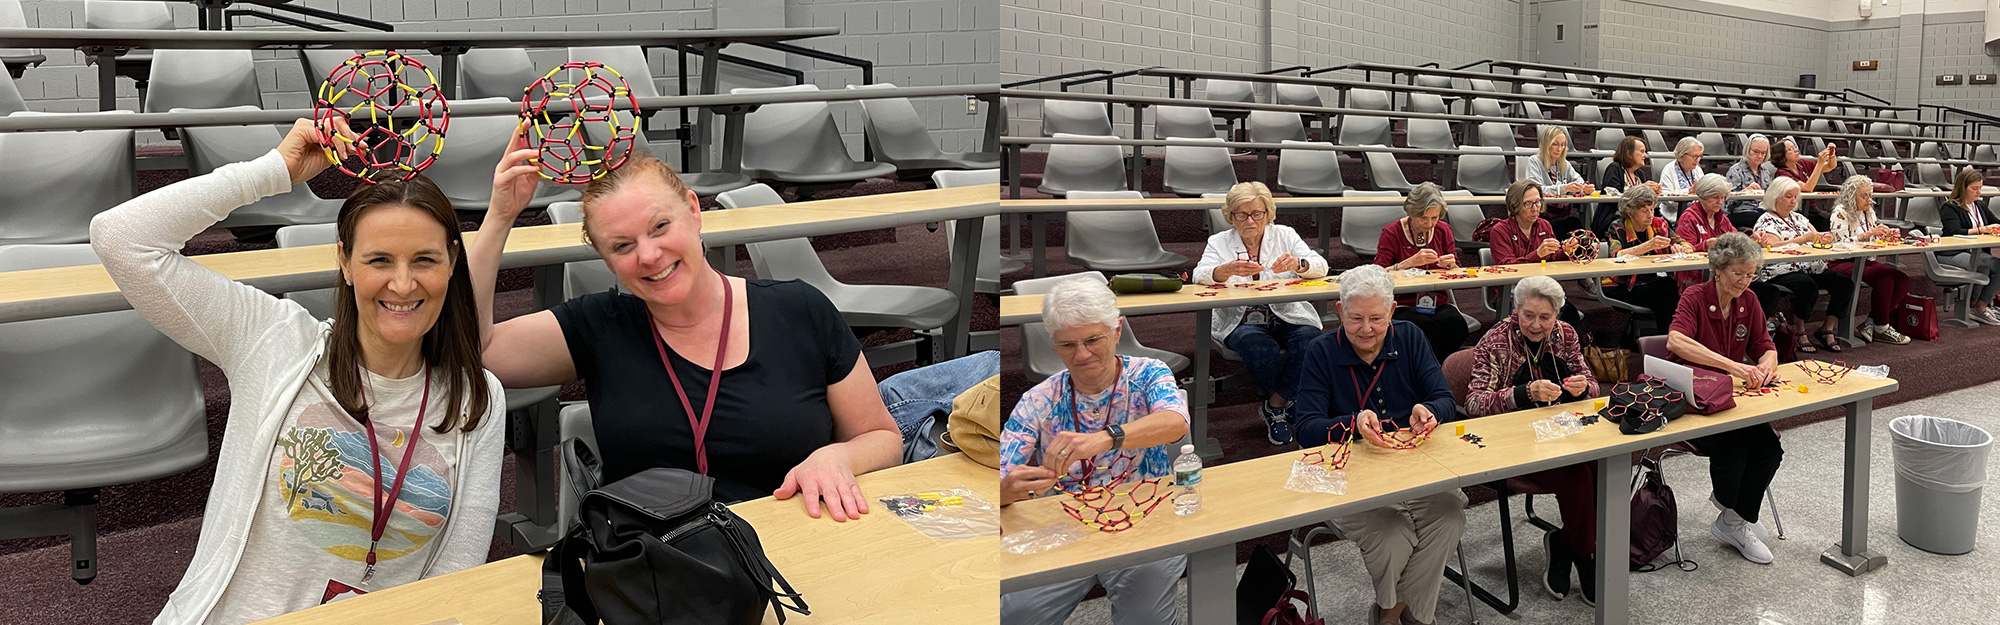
{"x": 1628, "y": 154}
{"x": 1967, "y": 178}
{"x": 638, "y": 165}
{"x": 451, "y": 345}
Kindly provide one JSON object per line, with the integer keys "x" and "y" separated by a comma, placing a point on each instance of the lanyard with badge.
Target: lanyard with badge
{"x": 700, "y": 425}
{"x": 1259, "y": 315}
{"x": 383, "y": 509}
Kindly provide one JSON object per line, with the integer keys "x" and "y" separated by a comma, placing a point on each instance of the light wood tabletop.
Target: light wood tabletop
{"x": 1240, "y": 501}
{"x": 1018, "y": 309}
{"x": 1059, "y": 205}
{"x": 43, "y": 293}
{"x": 875, "y": 569}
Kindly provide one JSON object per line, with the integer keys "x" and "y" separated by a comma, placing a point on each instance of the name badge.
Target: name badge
{"x": 1427, "y": 304}
{"x": 1256, "y": 318}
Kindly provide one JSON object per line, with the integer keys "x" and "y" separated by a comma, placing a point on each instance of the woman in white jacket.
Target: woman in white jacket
{"x": 360, "y": 453}
{"x": 1270, "y": 338}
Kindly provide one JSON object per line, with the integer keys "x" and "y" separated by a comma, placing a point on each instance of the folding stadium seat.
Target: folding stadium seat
{"x": 919, "y": 308}
{"x": 1757, "y": 123}
{"x": 51, "y": 200}
{"x": 1440, "y": 82}
{"x": 1310, "y": 172}
{"x": 1188, "y": 122}
{"x": 92, "y": 401}
{"x": 204, "y": 79}
{"x": 1586, "y": 113}
{"x": 1433, "y": 134}
{"x": 1115, "y": 241}
{"x": 1361, "y": 226}
{"x": 798, "y": 142}
{"x": 1673, "y": 118}
{"x": 1532, "y": 110}
{"x": 1076, "y": 118}
{"x": 211, "y": 147}
{"x": 10, "y": 97}
{"x": 1083, "y": 168}
{"x": 1482, "y": 174}
{"x": 1193, "y": 171}
{"x": 898, "y": 135}
{"x": 1295, "y": 95}
{"x": 1712, "y": 144}
{"x": 1427, "y": 103}
{"x": 505, "y": 72}
{"x": 1364, "y": 130}
{"x": 1227, "y": 91}
{"x": 581, "y": 277}
{"x": 113, "y": 15}
{"x": 1607, "y": 140}
{"x": 1385, "y": 172}
{"x": 1486, "y": 107}
{"x": 991, "y": 264}
{"x": 1368, "y": 99}
{"x": 1500, "y": 135}
{"x": 1276, "y": 127}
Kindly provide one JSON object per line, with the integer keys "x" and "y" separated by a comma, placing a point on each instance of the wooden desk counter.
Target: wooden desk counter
{"x": 876, "y": 569}
{"x": 1240, "y": 501}
{"x": 44, "y": 293}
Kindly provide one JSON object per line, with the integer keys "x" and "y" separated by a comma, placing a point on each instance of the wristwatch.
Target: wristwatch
{"x": 1117, "y": 436}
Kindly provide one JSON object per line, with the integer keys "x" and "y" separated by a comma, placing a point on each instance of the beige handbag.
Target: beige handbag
{"x": 974, "y": 424}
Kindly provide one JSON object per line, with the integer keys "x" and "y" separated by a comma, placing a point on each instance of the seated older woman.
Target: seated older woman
{"x": 1703, "y": 221}
{"x": 1678, "y": 177}
{"x": 1962, "y": 214}
{"x": 1270, "y": 338}
{"x": 1639, "y": 232}
{"x": 1783, "y": 224}
{"x": 1376, "y": 374}
{"x": 1524, "y": 237}
{"x": 1753, "y": 173}
{"x": 1102, "y": 408}
{"x": 1719, "y": 329}
{"x": 1534, "y": 360}
{"x": 1422, "y": 240}
{"x": 1854, "y": 222}
{"x": 1549, "y": 167}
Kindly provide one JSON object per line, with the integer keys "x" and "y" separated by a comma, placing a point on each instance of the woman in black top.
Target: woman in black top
{"x": 1962, "y": 214}
{"x": 795, "y": 410}
{"x": 1628, "y": 169}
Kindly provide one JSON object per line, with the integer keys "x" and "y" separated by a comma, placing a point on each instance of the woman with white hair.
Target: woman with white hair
{"x": 1703, "y": 220}
{"x": 1550, "y": 168}
{"x": 1718, "y": 329}
{"x": 1375, "y": 374}
{"x": 1422, "y": 240}
{"x": 1784, "y": 224}
{"x": 1102, "y": 410}
{"x": 1753, "y": 173}
{"x": 1271, "y": 338}
{"x": 1639, "y": 231}
{"x": 1678, "y": 177}
{"x": 1854, "y": 222}
{"x": 1533, "y": 359}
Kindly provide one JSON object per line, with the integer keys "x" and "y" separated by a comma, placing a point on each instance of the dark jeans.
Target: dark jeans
{"x": 1805, "y": 292}
{"x": 1741, "y": 464}
{"x": 921, "y": 398}
{"x": 1273, "y": 354}
{"x": 1445, "y": 328}
{"x": 1658, "y": 293}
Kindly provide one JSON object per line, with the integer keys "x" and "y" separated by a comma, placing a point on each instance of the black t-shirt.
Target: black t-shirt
{"x": 771, "y": 411}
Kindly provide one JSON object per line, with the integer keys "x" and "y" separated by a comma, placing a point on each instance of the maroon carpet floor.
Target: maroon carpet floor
{"x": 148, "y": 530}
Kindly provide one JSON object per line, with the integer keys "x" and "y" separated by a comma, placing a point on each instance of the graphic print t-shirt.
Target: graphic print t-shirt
{"x": 316, "y": 507}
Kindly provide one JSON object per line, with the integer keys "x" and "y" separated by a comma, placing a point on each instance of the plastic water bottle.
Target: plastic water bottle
{"x": 1187, "y": 479}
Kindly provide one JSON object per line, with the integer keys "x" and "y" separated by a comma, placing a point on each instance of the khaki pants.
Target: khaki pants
{"x": 1405, "y": 546}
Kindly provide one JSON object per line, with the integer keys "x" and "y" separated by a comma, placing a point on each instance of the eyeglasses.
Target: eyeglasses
{"x": 1741, "y": 275}
{"x": 1092, "y": 343}
{"x": 1250, "y": 216}
{"x": 1531, "y": 203}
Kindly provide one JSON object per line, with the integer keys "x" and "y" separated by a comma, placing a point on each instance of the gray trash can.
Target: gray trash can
{"x": 1940, "y": 470}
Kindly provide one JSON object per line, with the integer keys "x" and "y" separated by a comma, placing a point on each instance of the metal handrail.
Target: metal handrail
{"x": 1865, "y": 95}
{"x": 1316, "y": 72}
{"x": 1432, "y": 64}
{"x": 231, "y": 18}
{"x": 307, "y": 11}
{"x": 1471, "y": 65}
{"x": 1285, "y": 69}
{"x": 867, "y": 66}
{"x": 1107, "y": 78}
{"x": 1037, "y": 81}
{"x": 798, "y": 77}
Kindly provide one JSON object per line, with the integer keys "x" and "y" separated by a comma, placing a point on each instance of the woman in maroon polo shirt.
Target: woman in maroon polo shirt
{"x": 1720, "y": 327}
{"x": 1703, "y": 221}
{"x": 1787, "y": 162}
{"x": 1524, "y": 237}
{"x": 1422, "y": 240}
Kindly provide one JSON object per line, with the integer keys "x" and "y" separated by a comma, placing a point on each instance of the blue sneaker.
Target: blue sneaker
{"x": 1278, "y": 423}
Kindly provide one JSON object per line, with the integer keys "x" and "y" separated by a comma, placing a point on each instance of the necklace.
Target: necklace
{"x": 1412, "y": 236}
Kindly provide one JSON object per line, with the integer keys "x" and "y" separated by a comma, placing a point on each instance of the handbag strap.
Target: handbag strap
{"x": 751, "y": 556}
{"x": 563, "y": 586}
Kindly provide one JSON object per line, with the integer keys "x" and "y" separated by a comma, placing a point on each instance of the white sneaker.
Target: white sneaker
{"x": 1991, "y": 317}
{"x": 1730, "y": 517}
{"x": 1889, "y": 335}
{"x": 1865, "y": 332}
{"x": 1742, "y": 538}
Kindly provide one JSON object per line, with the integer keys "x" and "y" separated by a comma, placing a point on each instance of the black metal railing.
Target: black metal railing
{"x": 1864, "y": 94}
{"x": 1472, "y": 65}
{"x": 798, "y": 76}
{"x": 231, "y": 16}
{"x": 1037, "y": 81}
{"x": 1282, "y": 70}
{"x": 1109, "y": 79}
{"x": 1316, "y": 72}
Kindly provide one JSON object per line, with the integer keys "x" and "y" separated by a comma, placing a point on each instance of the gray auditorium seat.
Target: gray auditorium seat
{"x": 1673, "y": 118}
{"x": 506, "y": 73}
{"x": 51, "y": 200}
{"x": 114, "y": 15}
{"x": 1192, "y": 171}
{"x": 1361, "y": 226}
{"x": 1607, "y": 139}
{"x": 1075, "y": 117}
{"x": 1486, "y": 107}
{"x": 1482, "y": 84}
{"x": 898, "y": 135}
{"x": 1039, "y": 351}
{"x": 10, "y": 97}
{"x": 464, "y": 171}
{"x": 798, "y": 142}
{"x": 1177, "y": 122}
{"x": 991, "y": 264}
{"x": 1364, "y": 130}
{"x": 1116, "y": 241}
{"x": 1752, "y": 123}
{"x": 1984, "y": 153}
{"x": 1532, "y": 110}
{"x": 17, "y": 60}
{"x": 1427, "y": 103}
{"x": 211, "y": 147}
{"x": 1295, "y": 95}
{"x": 1712, "y": 143}
{"x": 1483, "y": 174}
{"x": 1500, "y": 135}
{"x": 1368, "y": 99}
{"x": 204, "y": 79}
{"x": 1083, "y": 168}
{"x": 863, "y": 306}
{"x": 1275, "y": 127}
{"x": 1385, "y": 172}
{"x": 91, "y": 401}
{"x": 1931, "y": 149}
{"x": 1440, "y": 82}
{"x": 1586, "y": 113}
{"x": 581, "y": 277}
{"x": 1226, "y": 91}
{"x": 1310, "y": 172}
{"x": 1432, "y": 134}
{"x": 317, "y": 302}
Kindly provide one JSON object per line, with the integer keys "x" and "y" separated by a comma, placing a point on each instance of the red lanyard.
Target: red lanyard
{"x": 700, "y": 425}
{"x": 382, "y": 511}
{"x": 1378, "y": 372}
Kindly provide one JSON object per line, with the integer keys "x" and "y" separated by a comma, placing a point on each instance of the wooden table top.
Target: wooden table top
{"x": 1018, "y": 309}
{"x": 1247, "y": 499}
{"x": 82, "y": 289}
{"x": 1059, "y": 205}
{"x": 876, "y": 569}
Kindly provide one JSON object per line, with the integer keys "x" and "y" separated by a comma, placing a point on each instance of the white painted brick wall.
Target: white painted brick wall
{"x": 913, "y": 43}
{"x": 1678, "y": 41}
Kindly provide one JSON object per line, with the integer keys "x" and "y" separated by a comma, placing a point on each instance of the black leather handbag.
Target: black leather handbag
{"x": 656, "y": 548}
{"x": 1643, "y": 405}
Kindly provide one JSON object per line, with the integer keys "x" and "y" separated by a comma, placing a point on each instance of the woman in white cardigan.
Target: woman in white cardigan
{"x": 360, "y": 453}
{"x": 1549, "y": 167}
{"x": 1271, "y": 338}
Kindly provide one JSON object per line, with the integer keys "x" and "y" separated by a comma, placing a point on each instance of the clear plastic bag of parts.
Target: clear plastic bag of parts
{"x": 1878, "y": 372}
{"x": 953, "y": 514}
{"x": 1558, "y": 426}
{"x": 1313, "y": 477}
{"x": 1040, "y": 540}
